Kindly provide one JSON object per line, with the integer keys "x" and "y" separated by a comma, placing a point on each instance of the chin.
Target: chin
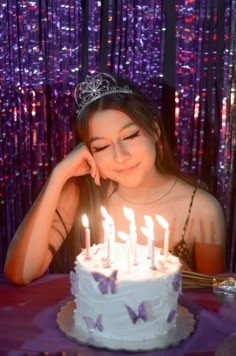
{"x": 132, "y": 184}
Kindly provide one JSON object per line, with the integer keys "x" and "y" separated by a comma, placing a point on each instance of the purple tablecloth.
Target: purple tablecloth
{"x": 28, "y": 323}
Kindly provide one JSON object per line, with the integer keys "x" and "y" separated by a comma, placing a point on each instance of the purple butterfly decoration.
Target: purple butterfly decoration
{"x": 73, "y": 280}
{"x": 92, "y": 325}
{"x": 176, "y": 282}
{"x": 142, "y": 314}
{"x": 105, "y": 283}
{"x": 171, "y": 316}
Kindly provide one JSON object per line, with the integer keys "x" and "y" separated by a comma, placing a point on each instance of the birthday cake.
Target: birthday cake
{"x": 125, "y": 306}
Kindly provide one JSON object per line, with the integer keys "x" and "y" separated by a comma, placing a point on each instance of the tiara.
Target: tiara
{"x": 94, "y": 87}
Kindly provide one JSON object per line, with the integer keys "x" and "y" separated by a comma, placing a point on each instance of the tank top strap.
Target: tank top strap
{"x": 189, "y": 213}
{"x": 181, "y": 250}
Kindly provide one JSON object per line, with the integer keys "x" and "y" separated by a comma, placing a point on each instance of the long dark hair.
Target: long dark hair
{"x": 142, "y": 110}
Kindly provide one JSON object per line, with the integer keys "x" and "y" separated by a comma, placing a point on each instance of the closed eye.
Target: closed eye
{"x": 98, "y": 149}
{"x": 133, "y": 135}
{"x": 130, "y": 137}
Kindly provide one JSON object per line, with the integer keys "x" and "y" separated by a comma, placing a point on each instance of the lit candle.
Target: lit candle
{"x": 165, "y": 226}
{"x": 126, "y": 237}
{"x": 107, "y": 216}
{"x": 85, "y": 223}
{"x": 148, "y": 231}
{"x": 107, "y": 242}
{"x": 152, "y": 247}
{"x": 109, "y": 234}
{"x": 129, "y": 214}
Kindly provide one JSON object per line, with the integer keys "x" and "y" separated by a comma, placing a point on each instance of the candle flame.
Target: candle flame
{"x": 85, "y": 221}
{"x": 123, "y": 236}
{"x": 128, "y": 213}
{"x": 149, "y": 221}
{"x": 148, "y": 230}
{"x": 106, "y": 215}
{"x": 162, "y": 222}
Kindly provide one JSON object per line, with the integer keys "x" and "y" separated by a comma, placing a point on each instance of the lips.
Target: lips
{"x": 127, "y": 169}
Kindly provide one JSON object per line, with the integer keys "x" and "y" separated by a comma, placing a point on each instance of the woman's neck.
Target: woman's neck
{"x": 148, "y": 194}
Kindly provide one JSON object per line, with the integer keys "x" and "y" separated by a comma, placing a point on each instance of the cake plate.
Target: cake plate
{"x": 185, "y": 324}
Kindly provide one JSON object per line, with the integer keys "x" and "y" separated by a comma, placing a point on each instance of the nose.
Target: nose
{"x": 120, "y": 152}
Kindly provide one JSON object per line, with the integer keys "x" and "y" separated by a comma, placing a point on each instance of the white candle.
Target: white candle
{"x": 109, "y": 235}
{"x": 152, "y": 254}
{"x": 165, "y": 226}
{"x": 129, "y": 214}
{"x": 133, "y": 240}
{"x": 166, "y": 243}
{"x": 85, "y": 223}
{"x": 107, "y": 242}
{"x": 148, "y": 231}
{"x": 126, "y": 237}
{"x": 128, "y": 254}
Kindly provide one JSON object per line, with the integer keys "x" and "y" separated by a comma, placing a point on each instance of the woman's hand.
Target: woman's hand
{"x": 79, "y": 162}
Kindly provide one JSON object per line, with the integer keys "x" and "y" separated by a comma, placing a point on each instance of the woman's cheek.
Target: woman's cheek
{"x": 102, "y": 166}
{"x": 103, "y": 171}
{"x": 103, "y": 176}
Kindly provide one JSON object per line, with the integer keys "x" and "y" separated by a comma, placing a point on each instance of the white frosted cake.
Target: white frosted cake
{"x": 118, "y": 307}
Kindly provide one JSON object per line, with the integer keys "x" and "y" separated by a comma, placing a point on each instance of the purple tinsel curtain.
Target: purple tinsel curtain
{"x": 183, "y": 53}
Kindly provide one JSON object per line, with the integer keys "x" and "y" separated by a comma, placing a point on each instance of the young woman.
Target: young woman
{"x": 123, "y": 159}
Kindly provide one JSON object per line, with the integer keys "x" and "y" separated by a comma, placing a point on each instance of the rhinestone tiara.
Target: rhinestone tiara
{"x": 94, "y": 87}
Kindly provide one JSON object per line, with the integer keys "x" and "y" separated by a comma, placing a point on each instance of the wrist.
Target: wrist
{"x": 59, "y": 175}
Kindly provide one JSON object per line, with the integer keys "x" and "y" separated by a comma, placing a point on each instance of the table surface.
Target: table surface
{"x": 28, "y": 321}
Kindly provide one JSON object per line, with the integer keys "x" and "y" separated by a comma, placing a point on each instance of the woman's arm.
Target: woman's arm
{"x": 209, "y": 247}
{"x": 29, "y": 254}
{"x": 209, "y": 259}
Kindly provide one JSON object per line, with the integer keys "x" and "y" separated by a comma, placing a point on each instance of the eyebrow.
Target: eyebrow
{"x": 95, "y": 138}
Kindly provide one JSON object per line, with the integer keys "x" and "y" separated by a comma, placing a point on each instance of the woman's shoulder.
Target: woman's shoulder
{"x": 208, "y": 205}
{"x": 203, "y": 201}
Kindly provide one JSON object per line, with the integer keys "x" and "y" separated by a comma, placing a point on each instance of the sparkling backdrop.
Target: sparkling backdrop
{"x": 47, "y": 47}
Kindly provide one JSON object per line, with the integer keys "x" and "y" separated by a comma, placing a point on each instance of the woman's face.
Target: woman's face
{"x": 123, "y": 151}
